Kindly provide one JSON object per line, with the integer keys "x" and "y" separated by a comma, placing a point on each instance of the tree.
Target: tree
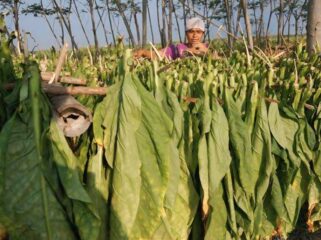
{"x": 314, "y": 25}
{"x": 170, "y": 21}
{"x": 134, "y": 11}
{"x": 81, "y": 22}
{"x": 110, "y": 23}
{"x": 93, "y": 24}
{"x": 299, "y": 7}
{"x": 39, "y": 10}
{"x": 247, "y": 23}
{"x": 65, "y": 18}
{"x": 280, "y": 22}
{"x": 272, "y": 9}
{"x": 228, "y": 22}
{"x": 14, "y": 7}
{"x": 144, "y": 22}
{"x": 121, "y": 8}
{"x": 262, "y": 5}
{"x": 101, "y": 20}
{"x": 177, "y": 23}
{"x": 163, "y": 31}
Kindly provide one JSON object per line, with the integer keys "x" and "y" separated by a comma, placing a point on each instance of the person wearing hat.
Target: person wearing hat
{"x": 195, "y": 29}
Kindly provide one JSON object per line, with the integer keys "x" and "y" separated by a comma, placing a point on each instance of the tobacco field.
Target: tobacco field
{"x": 197, "y": 148}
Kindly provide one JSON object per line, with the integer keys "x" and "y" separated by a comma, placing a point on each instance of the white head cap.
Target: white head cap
{"x": 195, "y": 23}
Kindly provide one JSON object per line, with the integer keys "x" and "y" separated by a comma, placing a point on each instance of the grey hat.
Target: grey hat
{"x": 195, "y": 23}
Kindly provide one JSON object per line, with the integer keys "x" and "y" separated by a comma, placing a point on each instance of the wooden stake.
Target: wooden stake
{"x": 46, "y": 76}
{"x": 57, "y": 89}
{"x": 61, "y": 60}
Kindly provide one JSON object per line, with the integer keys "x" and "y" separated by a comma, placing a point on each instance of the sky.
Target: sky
{"x": 42, "y": 38}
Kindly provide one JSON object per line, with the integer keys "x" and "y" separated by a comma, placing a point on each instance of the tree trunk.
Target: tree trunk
{"x": 247, "y": 24}
{"x": 232, "y": 19}
{"x": 229, "y": 23}
{"x": 177, "y": 24}
{"x": 69, "y": 30}
{"x": 164, "y": 42}
{"x": 296, "y": 28}
{"x": 16, "y": 25}
{"x": 314, "y": 25}
{"x": 68, "y": 27}
{"x": 184, "y": 17}
{"x": 50, "y": 27}
{"x": 280, "y": 22}
{"x": 93, "y": 25}
{"x": 150, "y": 24}
{"x": 137, "y": 28}
{"x": 170, "y": 22}
{"x": 184, "y": 14}
{"x": 62, "y": 29}
{"x": 261, "y": 20}
{"x": 81, "y": 23}
{"x": 122, "y": 14}
{"x": 289, "y": 25}
{"x": 269, "y": 20}
{"x": 158, "y": 23}
{"x": 238, "y": 18}
{"x": 206, "y": 9}
{"x": 52, "y": 31}
{"x": 102, "y": 22}
{"x": 297, "y": 17}
{"x": 144, "y": 22}
{"x": 255, "y": 23}
{"x": 110, "y": 24}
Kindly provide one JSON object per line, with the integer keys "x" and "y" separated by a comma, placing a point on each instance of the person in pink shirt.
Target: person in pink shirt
{"x": 195, "y": 29}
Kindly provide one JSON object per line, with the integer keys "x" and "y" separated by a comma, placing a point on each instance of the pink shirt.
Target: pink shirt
{"x": 174, "y": 52}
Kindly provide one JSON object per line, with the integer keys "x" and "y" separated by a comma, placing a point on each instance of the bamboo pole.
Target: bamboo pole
{"x": 46, "y": 76}
{"x": 59, "y": 64}
{"x": 57, "y": 89}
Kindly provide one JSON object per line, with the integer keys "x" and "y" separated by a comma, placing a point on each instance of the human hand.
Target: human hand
{"x": 200, "y": 47}
{"x": 139, "y": 53}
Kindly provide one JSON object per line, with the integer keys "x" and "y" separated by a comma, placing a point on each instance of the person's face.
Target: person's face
{"x": 194, "y": 36}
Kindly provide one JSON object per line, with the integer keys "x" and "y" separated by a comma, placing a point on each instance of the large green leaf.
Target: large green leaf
{"x": 218, "y": 147}
{"x": 213, "y": 152}
{"x": 143, "y": 156}
{"x": 203, "y": 156}
{"x": 37, "y": 172}
{"x": 85, "y": 215}
{"x": 262, "y": 155}
{"x": 216, "y": 224}
{"x": 239, "y": 132}
{"x": 283, "y": 130}
{"x": 26, "y": 196}
{"x": 262, "y": 150}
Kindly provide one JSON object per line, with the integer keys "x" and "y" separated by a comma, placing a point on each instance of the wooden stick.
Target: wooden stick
{"x": 59, "y": 64}
{"x": 56, "y": 89}
{"x": 46, "y": 76}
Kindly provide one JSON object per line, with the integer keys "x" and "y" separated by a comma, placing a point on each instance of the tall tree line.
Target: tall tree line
{"x": 160, "y": 19}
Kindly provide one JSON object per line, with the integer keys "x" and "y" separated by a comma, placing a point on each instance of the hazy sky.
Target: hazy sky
{"x": 43, "y": 38}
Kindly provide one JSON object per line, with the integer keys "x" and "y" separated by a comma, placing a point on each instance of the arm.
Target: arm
{"x": 144, "y": 53}
{"x": 149, "y": 54}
